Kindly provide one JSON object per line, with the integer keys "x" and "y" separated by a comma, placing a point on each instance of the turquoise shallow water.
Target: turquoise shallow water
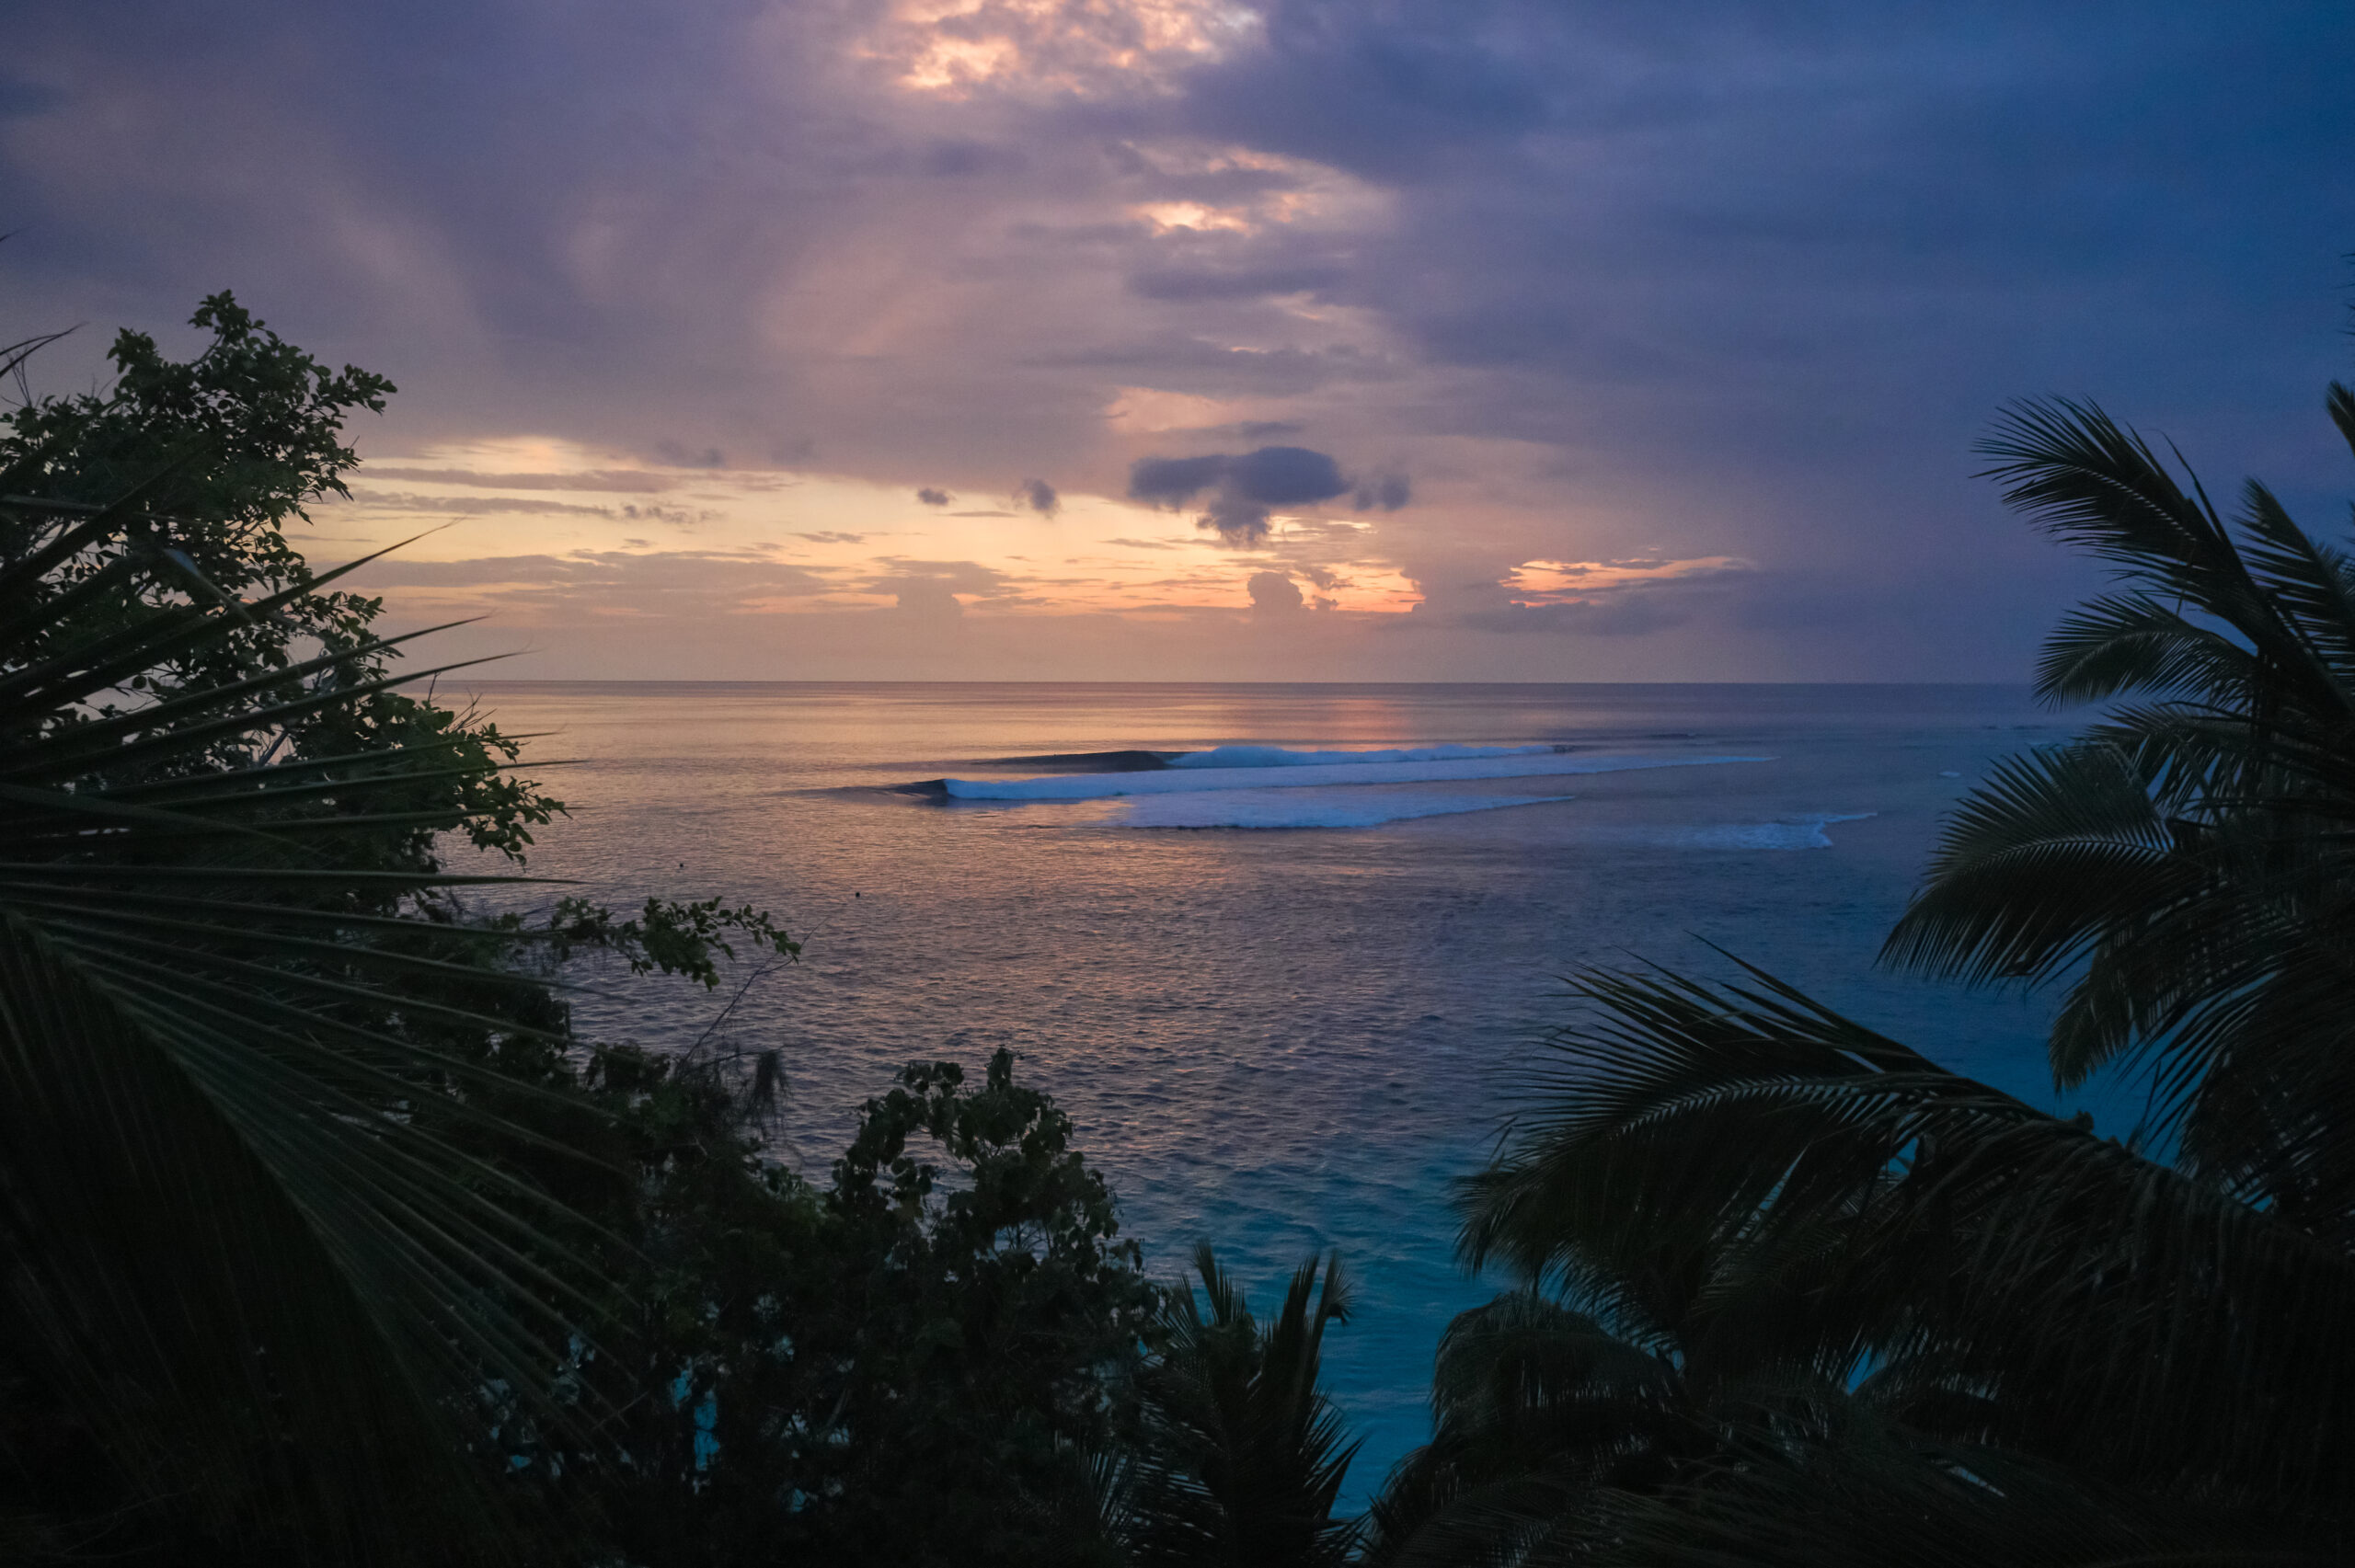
{"x": 1282, "y": 1038}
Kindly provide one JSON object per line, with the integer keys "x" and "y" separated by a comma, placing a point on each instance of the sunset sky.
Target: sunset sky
{"x": 1331, "y": 339}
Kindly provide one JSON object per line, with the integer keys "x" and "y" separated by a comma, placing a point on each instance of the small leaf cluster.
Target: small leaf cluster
{"x": 207, "y": 463}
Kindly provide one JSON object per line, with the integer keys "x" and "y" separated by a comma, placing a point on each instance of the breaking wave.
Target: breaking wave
{"x": 1542, "y": 763}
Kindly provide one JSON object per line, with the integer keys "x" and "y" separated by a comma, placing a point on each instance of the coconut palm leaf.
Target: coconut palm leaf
{"x": 1858, "y": 1206}
{"x": 261, "y": 1246}
{"x": 2186, "y": 871}
{"x": 1245, "y": 1455}
{"x": 1850, "y": 1488}
{"x": 1535, "y": 1409}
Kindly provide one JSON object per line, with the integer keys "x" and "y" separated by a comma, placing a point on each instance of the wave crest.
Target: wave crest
{"x": 1190, "y": 780}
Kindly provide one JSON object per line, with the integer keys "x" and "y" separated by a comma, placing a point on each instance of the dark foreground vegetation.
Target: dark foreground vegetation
{"x": 329, "y": 1240}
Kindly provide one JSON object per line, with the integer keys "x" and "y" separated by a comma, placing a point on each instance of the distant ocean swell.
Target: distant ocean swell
{"x": 1353, "y": 807}
{"x": 1254, "y": 786}
{"x": 1273, "y": 769}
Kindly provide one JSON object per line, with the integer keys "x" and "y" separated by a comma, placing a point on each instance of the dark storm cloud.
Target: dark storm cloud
{"x": 1243, "y": 490}
{"x": 1039, "y": 495}
{"x": 932, "y": 498}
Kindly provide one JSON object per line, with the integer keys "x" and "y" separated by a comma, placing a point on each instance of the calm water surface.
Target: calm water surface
{"x": 1279, "y": 1039}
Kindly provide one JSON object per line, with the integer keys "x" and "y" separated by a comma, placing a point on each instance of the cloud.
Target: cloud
{"x": 922, "y": 596}
{"x": 681, "y": 457}
{"x": 930, "y": 589}
{"x": 832, "y": 536}
{"x": 1635, "y": 612}
{"x": 394, "y": 572}
{"x": 932, "y": 498}
{"x": 635, "y": 480}
{"x": 1273, "y": 594}
{"x": 961, "y": 158}
{"x": 1235, "y": 283}
{"x": 1253, "y": 429}
{"x": 1213, "y": 370}
{"x": 1039, "y": 495}
{"x": 1243, "y": 490}
{"x": 679, "y": 584}
{"x": 1598, "y": 598}
{"x": 677, "y": 516}
{"x": 1174, "y": 481}
{"x": 967, "y": 576}
{"x": 472, "y": 506}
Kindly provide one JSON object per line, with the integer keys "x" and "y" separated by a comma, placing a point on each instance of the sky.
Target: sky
{"x": 1198, "y": 339}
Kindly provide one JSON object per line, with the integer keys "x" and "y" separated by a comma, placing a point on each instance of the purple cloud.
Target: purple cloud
{"x": 1243, "y": 490}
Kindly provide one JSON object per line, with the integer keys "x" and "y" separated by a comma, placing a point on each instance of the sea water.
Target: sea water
{"x": 1288, "y": 954}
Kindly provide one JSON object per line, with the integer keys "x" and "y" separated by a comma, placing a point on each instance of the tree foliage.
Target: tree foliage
{"x": 269, "y": 1232}
{"x": 921, "y": 1362}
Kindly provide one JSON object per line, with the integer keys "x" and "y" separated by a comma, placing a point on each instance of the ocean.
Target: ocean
{"x": 1288, "y": 997}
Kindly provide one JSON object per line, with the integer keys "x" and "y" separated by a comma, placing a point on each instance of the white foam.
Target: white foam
{"x": 1190, "y": 780}
{"x": 1277, "y": 757}
{"x": 1338, "y": 808}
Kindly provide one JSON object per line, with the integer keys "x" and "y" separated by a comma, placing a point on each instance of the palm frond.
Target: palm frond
{"x": 2186, "y": 871}
{"x": 1535, "y": 1407}
{"x": 1244, "y": 1454}
{"x": 2339, "y": 402}
{"x": 2134, "y": 1320}
{"x": 258, "y": 1232}
{"x": 1858, "y": 1491}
